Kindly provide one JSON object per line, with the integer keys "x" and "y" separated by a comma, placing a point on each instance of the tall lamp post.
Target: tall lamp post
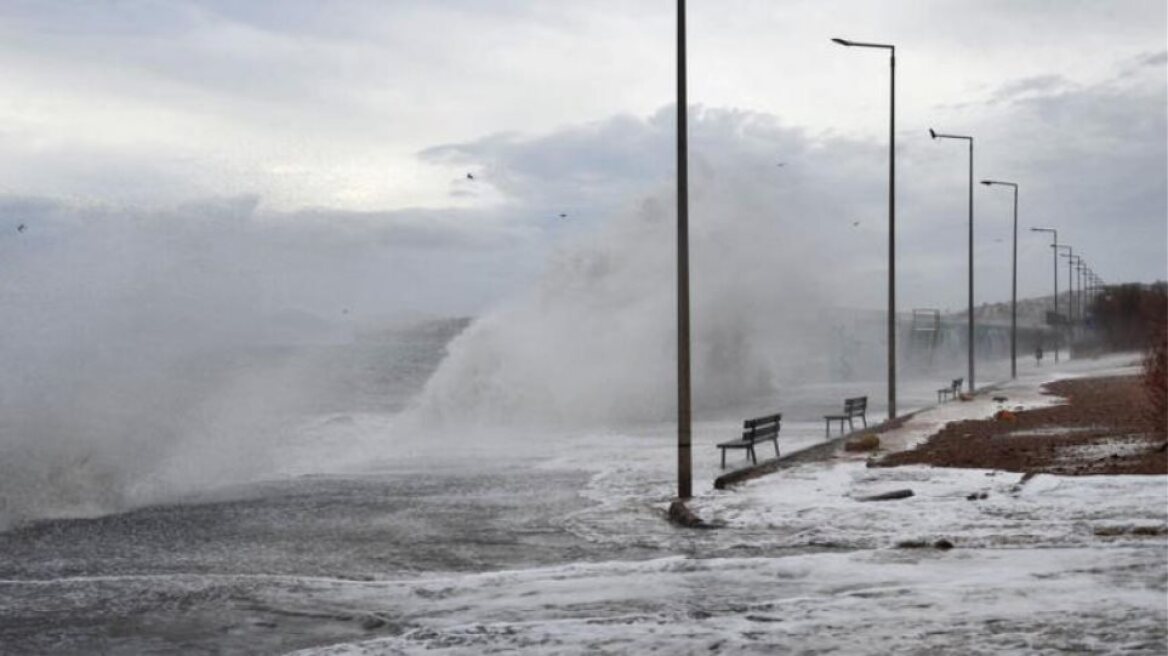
{"x": 1080, "y": 267}
{"x": 684, "y": 416}
{"x": 1055, "y": 261}
{"x": 1014, "y": 281}
{"x": 1076, "y": 309}
{"x": 1078, "y": 294}
{"x": 938, "y": 135}
{"x": 891, "y": 214}
{"x": 1070, "y": 281}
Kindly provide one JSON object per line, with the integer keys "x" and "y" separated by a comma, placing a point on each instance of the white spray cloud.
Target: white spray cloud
{"x": 151, "y": 353}
{"x": 593, "y": 342}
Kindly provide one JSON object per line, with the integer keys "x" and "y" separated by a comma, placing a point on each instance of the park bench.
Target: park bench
{"x": 855, "y": 407}
{"x": 760, "y": 429}
{"x": 950, "y": 392}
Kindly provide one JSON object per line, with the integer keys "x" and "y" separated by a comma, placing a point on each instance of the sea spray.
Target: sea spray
{"x": 593, "y": 343}
{"x": 154, "y": 354}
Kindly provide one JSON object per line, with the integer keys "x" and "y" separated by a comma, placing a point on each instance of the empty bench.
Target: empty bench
{"x": 950, "y": 392}
{"x": 854, "y": 407}
{"x": 760, "y": 429}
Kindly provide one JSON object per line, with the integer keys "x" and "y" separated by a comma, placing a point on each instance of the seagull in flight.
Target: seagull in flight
{"x": 21, "y": 228}
{"x": 855, "y": 224}
{"x": 563, "y": 216}
{"x": 470, "y": 176}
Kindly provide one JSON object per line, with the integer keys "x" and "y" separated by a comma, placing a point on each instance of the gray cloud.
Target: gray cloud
{"x": 1086, "y": 156}
{"x": 1030, "y": 85}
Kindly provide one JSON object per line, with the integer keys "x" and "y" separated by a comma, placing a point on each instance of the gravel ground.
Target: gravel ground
{"x": 1103, "y": 428}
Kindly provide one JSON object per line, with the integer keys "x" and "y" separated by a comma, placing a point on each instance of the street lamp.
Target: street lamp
{"x": 938, "y": 135}
{"x": 891, "y": 214}
{"x": 1080, "y": 267}
{"x": 1084, "y": 290}
{"x": 684, "y": 415}
{"x": 1076, "y": 308}
{"x": 1070, "y": 292}
{"x": 1014, "y": 281}
{"x": 1054, "y": 260}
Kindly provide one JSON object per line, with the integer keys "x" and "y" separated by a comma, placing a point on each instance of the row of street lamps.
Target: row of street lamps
{"x": 683, "y": 327}
{"x": 971, "y": 375}
{"x": 1086, "y": 277}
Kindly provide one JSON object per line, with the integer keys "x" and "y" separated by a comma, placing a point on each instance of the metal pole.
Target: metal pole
{"x": 1079, "y": 283}
{"x": 1070, "y": 292}
{"x": 936, "y": 135}
{"x": 1075, "y": 294}
{"x": 892, "y": 236}
{"x": 1014, "y": 278}
{"x": 1057, "y": 328}
{"x": 1054, "y": 247}
{"x": 1079, "y": 266}
{"x": 1082, "y": 297}
{"x": 684, "y": 417}
{"x": 1014, "y": 296}
{"x": 891, "y": 213}
{"x": 971, "y": 334}
{"x": 1070, "y": 298}
{"x": 1082, "y": 305}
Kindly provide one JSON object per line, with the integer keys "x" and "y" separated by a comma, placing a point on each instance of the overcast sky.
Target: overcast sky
{"x": 345, "y": 123}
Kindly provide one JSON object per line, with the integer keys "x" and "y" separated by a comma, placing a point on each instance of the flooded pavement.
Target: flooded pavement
{"x": 181, "y": 577}
{"x": 560, "y": 545}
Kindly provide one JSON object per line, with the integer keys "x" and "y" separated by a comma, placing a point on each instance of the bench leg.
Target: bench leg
{"x": 753, "y": 458}
{"x": 776, "y": 441}
{"x": 851, "y": 425}
{"x": 827, "y": 428}
{"x": 723, "y": 458}
{"x": 864, "y": 418}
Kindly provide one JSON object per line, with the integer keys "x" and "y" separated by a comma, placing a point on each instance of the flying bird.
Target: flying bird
{"x": 781, "y": 164}
{"x": 855, "y": 224}
{"x": 21, "y": 228}
{"x": 563, "y": 216}
{"x": 470, "y": 176}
